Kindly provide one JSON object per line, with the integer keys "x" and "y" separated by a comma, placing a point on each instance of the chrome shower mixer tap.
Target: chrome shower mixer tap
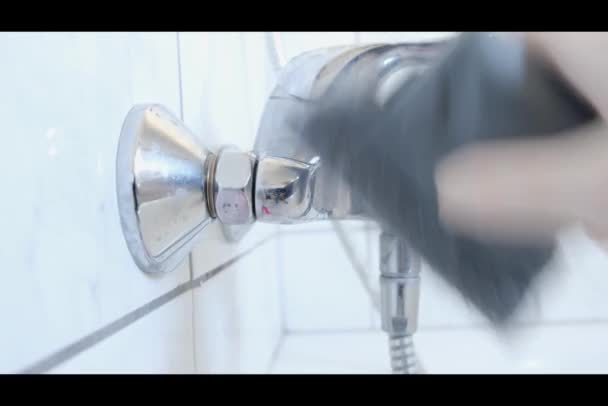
{"x": 171, "y": 186}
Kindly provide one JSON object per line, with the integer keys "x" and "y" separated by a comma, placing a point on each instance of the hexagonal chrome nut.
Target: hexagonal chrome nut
{"x": 233, "y": 187}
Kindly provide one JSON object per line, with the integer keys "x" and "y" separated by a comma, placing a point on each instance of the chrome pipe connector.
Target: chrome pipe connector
{"x": 399, "y": 298}
{"x": 232, "y": 187}
{"x": 284, "y": 190}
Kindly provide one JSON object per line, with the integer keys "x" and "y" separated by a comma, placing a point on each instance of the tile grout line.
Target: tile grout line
{"x": 281, "y": 283}
{"x": 275, "y": 353}
{"x": 294, "y": 231}
{"x": 454, "y": 327}
{"x": 310, "y": 332}
{"x": 179, "y": 77}
{"x": 246, "y": 79}
{"x": 193, "y": 317}
{"x": 361, "y": 271}
{"x": 88, "y": 341}
{"x": 368, "y": 263}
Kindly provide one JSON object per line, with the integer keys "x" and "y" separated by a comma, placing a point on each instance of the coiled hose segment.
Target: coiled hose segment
{"x": 403, "y": 355}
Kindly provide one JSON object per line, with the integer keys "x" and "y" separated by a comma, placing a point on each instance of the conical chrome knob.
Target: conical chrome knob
{"x": 161, "y": 186}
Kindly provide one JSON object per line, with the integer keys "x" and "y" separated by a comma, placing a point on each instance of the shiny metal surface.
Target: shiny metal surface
{"x": 377, "y": 71}
{"x": 403, "y": 355}
{"x": 284, "y": 190}
{"x": 399, "y": 286}
{"x": 233, "y": 186}
{"x": 160, "y": 186}
{"x": 399, "y": 297}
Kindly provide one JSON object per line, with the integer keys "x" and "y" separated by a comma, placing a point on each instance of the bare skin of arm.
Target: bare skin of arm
{"x": 534, "y": 188}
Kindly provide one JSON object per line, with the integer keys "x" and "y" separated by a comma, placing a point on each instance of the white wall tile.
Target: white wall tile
{"x": 574, "y": 286}
{"x": 158, "y": 343}
{"x": 578, "y": 349}
{"x": 216, "y": 87}
{"x": 66, "y": 267}
{"x": 337, "y": 353}
{"x": 314, "y": 226}
{"x": 575, "y": 348}
{"x": 213, "y": 249}
{"x": 237, "y": 315}
{"x": 307, "y": 227}
{"x": 321, "y": 288}
{"x": 260, "y": 76}
{"x": 153, "y": 68}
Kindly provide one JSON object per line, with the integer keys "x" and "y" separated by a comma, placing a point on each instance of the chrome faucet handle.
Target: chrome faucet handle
{"x": 170, "y": 187}
{"x": 284, "y": 190}
{"x": 161, "y": 187}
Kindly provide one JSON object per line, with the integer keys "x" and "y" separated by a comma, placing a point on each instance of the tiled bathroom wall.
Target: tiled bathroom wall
{"x": 282, "y": 299}
{"x": 72, "y": 300}
{"x": 67, "y": 273}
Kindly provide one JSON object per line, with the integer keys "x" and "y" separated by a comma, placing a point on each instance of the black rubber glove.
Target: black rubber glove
{"x": 481, "y": 88}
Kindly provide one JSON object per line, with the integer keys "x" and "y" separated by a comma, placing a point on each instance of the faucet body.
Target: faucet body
{"x": 291, "y": 185}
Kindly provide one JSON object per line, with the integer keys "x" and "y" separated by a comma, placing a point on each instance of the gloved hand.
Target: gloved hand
{"x": 481, "y": 88}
